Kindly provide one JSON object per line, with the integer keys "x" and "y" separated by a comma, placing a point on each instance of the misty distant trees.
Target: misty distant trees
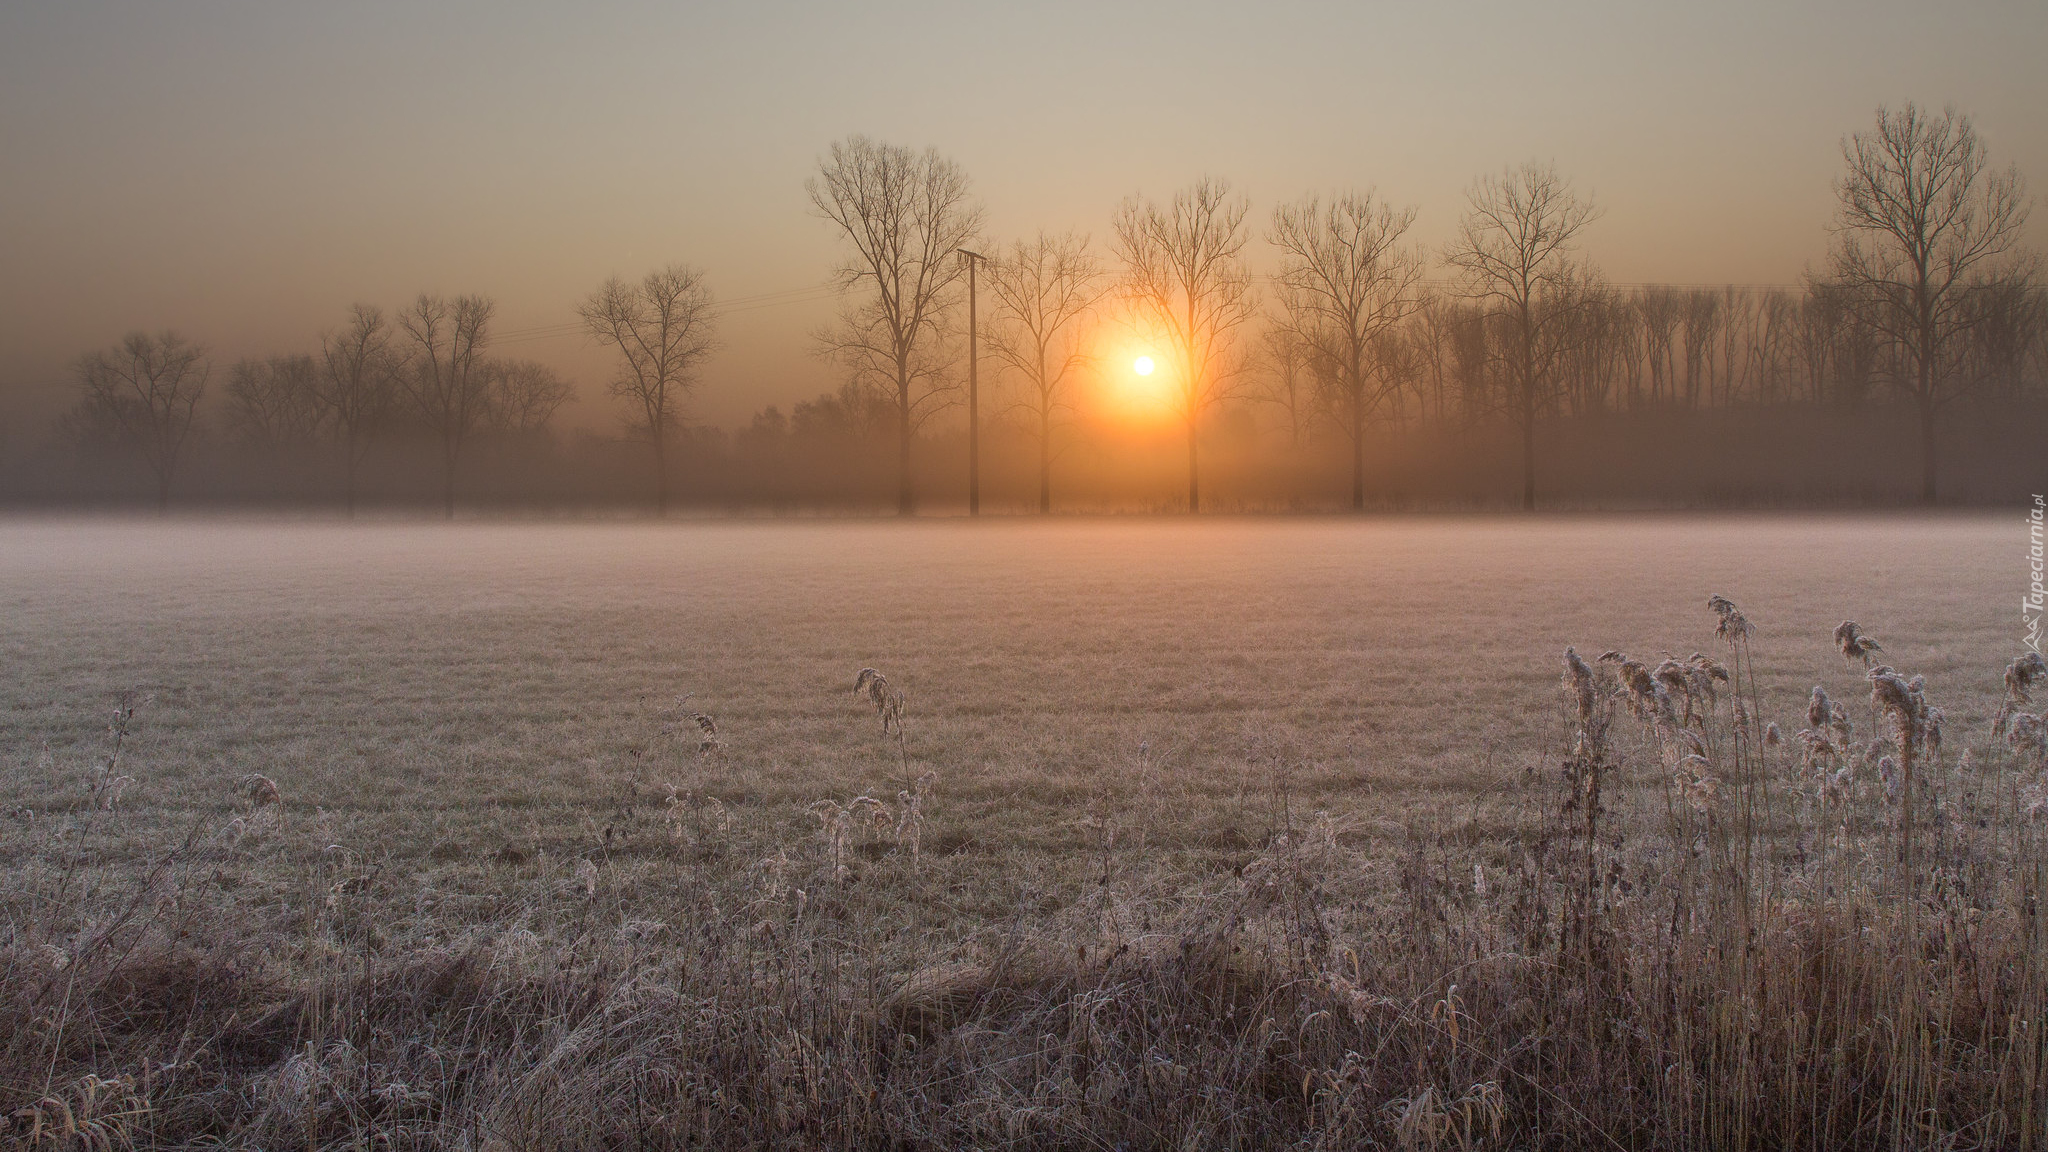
{"x": 275, "y": 401}
{"x": 1346, "y": 281}
{"x": 144, "y": 392}
{"x": 357, "y": 387}
{"x": 1926, "y": 253}
{"x": 903, "y": 215}
{"x": 1927, "y": 298}
{"x": 1045, "y": 290}
{"x": 446, "y": 380}
{"x": 1514, "y": 251}
{"x": 662, "y": 329}
{"x": 369, "y": 380}
{"x": 1184, "y": 278}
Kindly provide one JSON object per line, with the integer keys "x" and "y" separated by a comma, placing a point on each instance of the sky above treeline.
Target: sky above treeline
{"x": 242, "y": 172}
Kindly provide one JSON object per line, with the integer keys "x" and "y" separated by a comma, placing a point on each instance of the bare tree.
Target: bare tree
{"x": 1600, "y": 344}
{"x": 1701, "y": 311}
{"x": 1183, "y": 275}
{"x": 1044, "y": 289}
{"x": 1283, "y": 368}
{"x": 446, "y": 377}
{"x": 1658, "y": 309}
{"x": 145, "y": 391}
{"x": 662, "y": 328}
{"x": 1433, "y": 333}
{"x": 1922, "y": 224}
{"x": 905, "y": 214}
{"x": 275, "y": 403}
{"x": 2012, "y": 327}
{"x": 1513, "y": 249}
{"x": 525, "y": 396}
{"x": 1346, "y": 281}
{"x": 1770, "y": 348}
{"x": 358, "y": 374}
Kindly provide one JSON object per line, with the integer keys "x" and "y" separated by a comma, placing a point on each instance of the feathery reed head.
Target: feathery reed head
{"x": 261, "y": 790}
{"x": 1733, "y": 625}
{"x": 2022, "y": 674}
{"x": 1854, "y": 644}
{"x": 1578, "y": 683}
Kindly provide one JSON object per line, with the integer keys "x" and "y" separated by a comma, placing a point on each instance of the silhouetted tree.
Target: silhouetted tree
{"x": 1044, "y": 289}
{"x": 358, "y": 376}
{"x": 446, "y": 378}
{"x": 1513, "y": 250}
{"x": 662, "y": 328}
{"x": 1183, "y": 276}
{"x": 1346, "y": 281}
{"x": 275, "y": 403}
{"x": 1283, "y": 373}
{"x": 905, "y": 214}
{"x": 525, "y": 396}
{"x": 145, "y": 391}
{"x": 1431, "y": 332}
{"x": 1922, "y": 225}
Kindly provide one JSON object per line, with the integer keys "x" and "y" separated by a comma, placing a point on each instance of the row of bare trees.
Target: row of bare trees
{"x": 425, "y": 368}
{"x": 1926, "y": 293}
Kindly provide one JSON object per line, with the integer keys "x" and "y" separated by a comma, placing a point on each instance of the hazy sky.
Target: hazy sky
{"x": 244, "y": 171}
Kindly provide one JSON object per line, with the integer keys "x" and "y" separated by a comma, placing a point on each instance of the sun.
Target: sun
{"x": 1142, "y": 365}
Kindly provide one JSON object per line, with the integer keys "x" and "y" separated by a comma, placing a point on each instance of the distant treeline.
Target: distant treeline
{"x": 1913, "y": 364}
{"x": 812, "y": 459}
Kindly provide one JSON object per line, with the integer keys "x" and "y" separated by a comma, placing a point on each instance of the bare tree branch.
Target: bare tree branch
{"x": 663, "y": 329}
{"x": 1044, "y": 290}
{"x": 1184, "y": 277}
{"x": 146, "y": 390}
{"x": 904, "y": 214}
{"x": 357, "y": 383}
{"x": 1923, "y": 227}
{"x": 1345, "y": 282}
{"x": 446, "y": 378}
{"x": 1513, "y": 251}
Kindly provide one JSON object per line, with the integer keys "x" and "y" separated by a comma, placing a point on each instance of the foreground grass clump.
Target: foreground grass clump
{"x": 1706, "y": 923}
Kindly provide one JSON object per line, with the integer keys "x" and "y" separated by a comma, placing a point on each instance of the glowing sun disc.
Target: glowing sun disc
{"x": 1142, "y": 365}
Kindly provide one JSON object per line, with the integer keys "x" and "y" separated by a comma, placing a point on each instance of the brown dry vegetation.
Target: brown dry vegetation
{"x": 1228, "y": 834}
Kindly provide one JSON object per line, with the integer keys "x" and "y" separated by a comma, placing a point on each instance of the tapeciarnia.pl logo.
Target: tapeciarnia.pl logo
{"x": 2036, "y": 600}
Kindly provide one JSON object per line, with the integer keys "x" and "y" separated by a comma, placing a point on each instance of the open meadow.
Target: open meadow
{"x": 1225, "y": 833}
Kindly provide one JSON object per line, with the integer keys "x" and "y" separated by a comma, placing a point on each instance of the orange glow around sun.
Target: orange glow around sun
{"x": 1137, "y": 387}
{"x": 1132, "y": 375}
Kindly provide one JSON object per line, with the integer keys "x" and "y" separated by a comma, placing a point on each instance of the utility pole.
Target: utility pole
{"x": 972, "y": 259}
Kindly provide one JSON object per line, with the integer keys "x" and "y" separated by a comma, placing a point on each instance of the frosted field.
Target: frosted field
{"x": 1243, "y": 834}
{"x": 474, "y": 685}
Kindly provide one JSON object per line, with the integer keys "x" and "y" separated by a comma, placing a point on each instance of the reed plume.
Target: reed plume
{"x": 1854, "y": 644}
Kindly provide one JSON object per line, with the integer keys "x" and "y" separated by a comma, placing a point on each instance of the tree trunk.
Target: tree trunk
{"x": 1045, "y": 461}
{"x": 903, "y": 502}
{"x": 660, "y": 474}
{"x": 1357, "y": 453}
{"x": 1194, "y": 473}
{"x": 163, "y": 492}
{"x": 1926, "y": 453}
{"x": 348, "y": 477}
{"x": 448, "y": 483}
{"x": 1528, "y": 398}
{"x": 973, "y": 400}
{"x": 1528, "y": 452}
